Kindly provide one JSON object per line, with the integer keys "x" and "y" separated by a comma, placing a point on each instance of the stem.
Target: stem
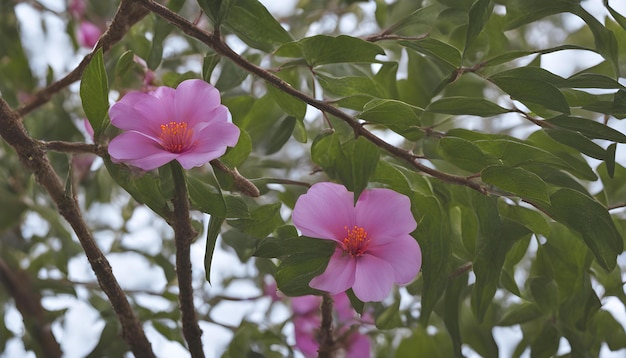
{"x": 34, "y": 158}
{"x": 183, "y": 235}
{"x": 214, "y": 41}
{"x": 326, "y": 339}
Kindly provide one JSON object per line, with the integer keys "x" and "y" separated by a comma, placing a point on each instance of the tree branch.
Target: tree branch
{"x": 33, "y": 158}
{"x": 18, "y": 284}
{"x": 214, "y": 41}
{"x": 183, "y": 235}
{"x": 325, "y": 337}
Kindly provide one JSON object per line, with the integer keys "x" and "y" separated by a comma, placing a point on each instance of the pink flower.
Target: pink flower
{"x": 88, "y": 34}
{"x": 374, "y": 248}
{"x": 77, "y": 8}
{"x": 187, "y": 124}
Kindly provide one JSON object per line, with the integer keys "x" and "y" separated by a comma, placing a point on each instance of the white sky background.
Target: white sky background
{"x": 81, "y": 329}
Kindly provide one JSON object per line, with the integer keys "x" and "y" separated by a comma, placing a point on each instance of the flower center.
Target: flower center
{"x": 176, "y": 137}
{"x": 356, "y": 241}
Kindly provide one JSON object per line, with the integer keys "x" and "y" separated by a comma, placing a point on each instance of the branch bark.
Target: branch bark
{"x": 183, "y": 235}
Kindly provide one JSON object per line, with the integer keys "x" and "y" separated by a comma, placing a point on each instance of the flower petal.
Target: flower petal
{"x": 403, "y": 254}
{"x": 359, "y": 346}
{"x": 139, "y": 150}
{"x": 339, "y": 275}
{"x": 384, "y": 214}
{"x": 194, "y": 100}
{"x": 305, "y": 328}
{"x": 373, "y": 278}
{"x": 141, "y": 112}
{"x": 325, "y": 211}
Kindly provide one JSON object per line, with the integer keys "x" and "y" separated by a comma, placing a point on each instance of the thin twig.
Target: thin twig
{"x": 325, "y": 336}
{"x": 183, "y": 235}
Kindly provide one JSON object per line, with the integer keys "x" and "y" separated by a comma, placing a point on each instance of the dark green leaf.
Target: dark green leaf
{"x": 323, "y": 49}
{"x": 205, "y": 197}
{"x": 589, "y": 128}
{"x": 94, "y": 93}
{"x": 296, "y": 271}
{"x": 594, "y": 223}
{"x": 465, "y": 154}
{"x": 437, "y": 50}
{"x": 478, "y": 16}
{"x": 530, "y": 91}
{"x": 577, "y": 141}
{"x": 275, "y": 247}
{"x": 281, "y": 135}
{"x": 208, "y": 65}
{"x": 356, "y": 163}
{"x": 522, "y": 313}
{"x": 513, "y": 55}
{"x": 255, "y": 26}
{"x": 262, "y": 221}
{"x": 398, "y": 116}
{"x": 466, "y": 106}
{"x": 215, "y": 226}
{"x": 518, "y": 181}
{"x": 293, "y": 106}
{"x": 238, "y": 154}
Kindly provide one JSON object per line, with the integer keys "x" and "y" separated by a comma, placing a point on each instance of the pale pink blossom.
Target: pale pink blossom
{"x": 187, "y": 124}
{"x": 77, "y": 8}
{"x": 88, "y": 34}
{"x": 374, "y": 246}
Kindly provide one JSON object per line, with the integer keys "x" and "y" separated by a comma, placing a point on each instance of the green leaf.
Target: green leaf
{"x": 610, "y": 159}
{"x": 465, "y": 154}
{"x": 546, "y": 344}
{"x": 390, "y": 317}
{"x": 398, "y": 116}
{"x": 238, "y": 154}
{"x": 254, "y": 25}
{"x": 578, "y": 142}
{"x": 296, "y": 271}
{"x": 614, "y": 184}
{"x": 588, "y": 128}
{"x": 209, "y": 63}
{"x": 323, "y": 49}
{"x": 530, "y": 92}
{"x": 604, "y": 39}
{"x": 513, "y": 55}
{"x": 525, "y": 184}
{"x": 215, "y": 226}
{"x": 594, "y": 223}
{"x": 205, "y": 197}
{"x": 262, "y": 221}
{"x": 439, "y": 51}
{"x": 356, "y": 163}
{"x": 281, "y": 135}
{"x": 94, "y": 93}
{"x": 472, "y": 106}
{"x": 521, "y": 313}
{"x": 521, "y": 12}
{"x": 277, "y": 247}
{"x": 592, "y": 80}
{"x": 478, "y": 16}
{"x": 290, "y": 104}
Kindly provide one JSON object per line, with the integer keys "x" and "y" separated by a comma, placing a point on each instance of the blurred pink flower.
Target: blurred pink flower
{"x": 307, "y": 321}
{"x": 88, "y": 34}
{"x": 77, "y": 8}
{"x": 187, "y": 124}
{"x": 88, "y": 128}
{"x": 374, "y": 248}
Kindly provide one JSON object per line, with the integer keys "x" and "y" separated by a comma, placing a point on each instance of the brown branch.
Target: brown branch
{"x": 242, "y": 183}
{"x": 325, "y": 337}
{"x": 128, "y": 13}
{"x": 183, "y": 235}
{"x": 33, "y": 158}
{"x": 28, "y": 301}
{"x": 214, "y": 41}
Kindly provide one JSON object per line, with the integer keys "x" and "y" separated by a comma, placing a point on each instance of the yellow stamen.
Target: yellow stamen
{"x": 356, "y": 241}
{"x": 176, "y": 137}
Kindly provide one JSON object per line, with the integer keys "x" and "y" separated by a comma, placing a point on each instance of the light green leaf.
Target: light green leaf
{"x": 205, "y": 197}
{"x": 94, "y": 93}
{"x": 356, "y": 163}
{"x": 262, "y": 221}
{"x": 439, "y": 51}
{"x": 478, "y": 16}
{"x": 518, "y": 181}
{"x": 398, "y": 116}
{"x": 293, "y": 106}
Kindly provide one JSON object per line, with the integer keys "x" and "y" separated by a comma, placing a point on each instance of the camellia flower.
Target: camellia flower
{"x": 374, "y": 249}
{"x": 187, "y": 124}
{"x": 88, "y": 34}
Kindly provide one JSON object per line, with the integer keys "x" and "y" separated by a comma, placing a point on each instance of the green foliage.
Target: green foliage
{"x": 514, "y": 167}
